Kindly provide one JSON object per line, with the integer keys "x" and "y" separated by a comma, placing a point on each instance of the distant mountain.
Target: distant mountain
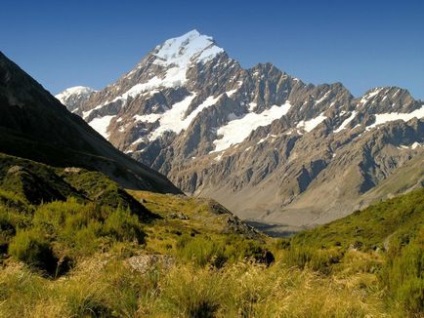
{"x": 263, "y": 143}
{"x": 75, "y": 96}
{"x": 34, "y": 125}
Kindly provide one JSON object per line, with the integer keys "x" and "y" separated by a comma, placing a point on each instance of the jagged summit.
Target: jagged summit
{"x": 188, "y": 48}
{"x": 167, "y": 64}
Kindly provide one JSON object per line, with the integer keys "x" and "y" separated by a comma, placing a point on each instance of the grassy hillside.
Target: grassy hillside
{"x": 75, "y": 244}
{"x": 385, "y": 240}
{"x": 379, "y": 226}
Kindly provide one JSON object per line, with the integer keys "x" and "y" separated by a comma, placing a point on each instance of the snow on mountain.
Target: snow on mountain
{"x": 74, "y": 96}
{"x": 74, "y": 91}
{"x": 101, "y": 124}
{"x": 237, "y": 130}
{"x": 309, "y": 125}
{"x": 346, "y": 122}
{"x": 181, "y": 51}
{"x": 369, "y": 95}
{"x": 173, "y": 119}
{"x": 414, "y": 146}
{"x": 388, "y": 117}
{"x": 178, "y": 54}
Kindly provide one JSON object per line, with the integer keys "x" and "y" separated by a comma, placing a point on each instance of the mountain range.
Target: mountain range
{"x": 275, "y": 150}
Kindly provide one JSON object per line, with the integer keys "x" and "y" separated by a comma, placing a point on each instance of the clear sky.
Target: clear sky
{"x": 362, "y": 44}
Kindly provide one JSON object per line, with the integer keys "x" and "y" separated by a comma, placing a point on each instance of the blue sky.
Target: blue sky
{"x": 362, "y": 44}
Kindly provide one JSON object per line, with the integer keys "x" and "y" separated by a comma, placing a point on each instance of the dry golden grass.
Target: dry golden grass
{"x": 106, "y": 286}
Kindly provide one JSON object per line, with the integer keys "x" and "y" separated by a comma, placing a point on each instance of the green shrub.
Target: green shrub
{"x": 123, "y": 226}
{"x": 202, "y": 251}
{"x": 7, "y": 229}
{"x": 298, "y": 257}
{"x": 84, "y": 241}
{"x": 12, "y": 200}
{"x": 321, "y": 260}
{"x": 411, "y": 295}
{"x": 82, "y": 228}
{"x": 404, "y": 276}
{"x": 255, "y": 251}
{"x": 56, "y": 212}
{"x": 31, "y": 248}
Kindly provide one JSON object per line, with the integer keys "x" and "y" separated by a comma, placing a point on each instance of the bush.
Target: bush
{"x": 31, "y": 248}
{"x": 7, "y": 230}
{"x": 202, "y": 251}
{"x": 254, "y": 251}
{"x": 404, "y": 276}
{"x": 84, "y": 228}
{"x": 12, "y": 200}
{"x": 321, "y": 260}
{"x": 123, "y": 226}
{"x": 6, "y": 227}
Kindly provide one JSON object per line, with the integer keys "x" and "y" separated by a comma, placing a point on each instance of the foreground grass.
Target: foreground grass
{"x": 193, "y": 260}
{"x": 110, "y": 287}
{"x": 91, "y": 249}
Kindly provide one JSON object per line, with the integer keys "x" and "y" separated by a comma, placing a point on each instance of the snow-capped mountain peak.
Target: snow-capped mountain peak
{"x": 167, "y": 66}
{"x": 76, "y": 90}
{"x": 74, "y": 96}
{"x": 190, "y": 47}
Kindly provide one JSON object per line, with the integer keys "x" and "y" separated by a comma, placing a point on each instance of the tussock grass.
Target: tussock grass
{"x": 104, "y": 286}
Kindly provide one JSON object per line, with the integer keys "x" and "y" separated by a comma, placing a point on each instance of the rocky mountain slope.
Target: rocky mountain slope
{"x": 34, "y": 125}
{"x": 263, "y": 143}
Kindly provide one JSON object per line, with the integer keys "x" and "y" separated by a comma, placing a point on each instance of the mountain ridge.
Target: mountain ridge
{"x": 36, "y": 126}
{"x": 259, "y": 141}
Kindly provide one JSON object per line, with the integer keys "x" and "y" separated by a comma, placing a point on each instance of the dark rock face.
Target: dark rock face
{"x": 259, "y": 141}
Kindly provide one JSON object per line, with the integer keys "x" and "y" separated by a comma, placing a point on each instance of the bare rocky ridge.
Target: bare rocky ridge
{"x": 264, "y": 144}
